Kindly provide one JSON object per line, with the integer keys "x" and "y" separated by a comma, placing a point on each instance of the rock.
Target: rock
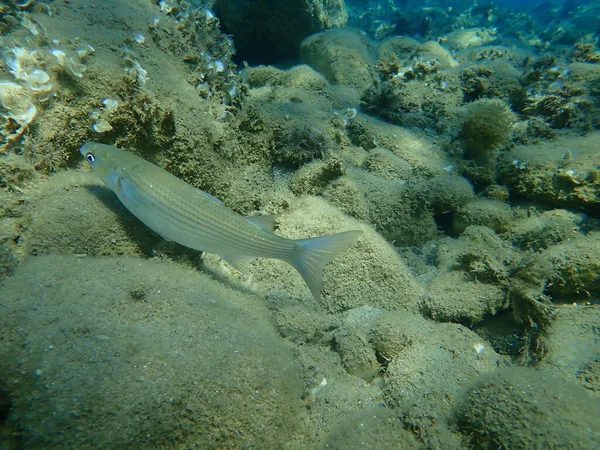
{"x": 370, "y": 429}
{"x": 370, "y": 272}
{"x": 434, "y": 364}
{"x": 484, "y": 212}
{"x": 562, "y": 173}
{"x": 386, "y": 204}
{"x": 526, "y": 408}
{"x": 344, "y": 56}
{"x": 453, "y": 298}
{"x": 265, "y": 31}
{"x": 569, "y": 268}
{"x": 141, "y": 344}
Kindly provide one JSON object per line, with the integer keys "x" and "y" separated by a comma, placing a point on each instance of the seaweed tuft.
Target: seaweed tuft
{"x": 486, "y": 125}
{"x": 296, "y": 145}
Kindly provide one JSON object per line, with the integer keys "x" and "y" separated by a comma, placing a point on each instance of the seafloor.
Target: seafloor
{"x": 464, "y": 141}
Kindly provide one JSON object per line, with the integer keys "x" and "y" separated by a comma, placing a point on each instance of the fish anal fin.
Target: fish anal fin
{"x": 240, "y": 263}
{"x": 265, "y": 223}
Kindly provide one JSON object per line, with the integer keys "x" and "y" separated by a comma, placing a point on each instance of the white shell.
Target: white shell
{"x": 61, "y": 57}
{"x": 17, "y": 103}
{"x": 19, "y": 60}
{"x": 39, "y": 82}
{"x": 102, "y": 126}
{"x": 219, "y": 66}
{"x": 110, "y": 104}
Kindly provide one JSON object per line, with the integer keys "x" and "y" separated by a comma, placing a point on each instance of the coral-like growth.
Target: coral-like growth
{"x": 486, "y": 125}
{"x": 298, "y": 144}
{"x": 383, "y": 100}
{"x": 585, "y": 53}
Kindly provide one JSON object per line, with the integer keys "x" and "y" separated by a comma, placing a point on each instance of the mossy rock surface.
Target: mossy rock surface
{"x": 544, "y": 412}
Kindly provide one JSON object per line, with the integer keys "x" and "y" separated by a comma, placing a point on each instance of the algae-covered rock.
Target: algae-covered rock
{"x": 393, "y": 333}
{"x": 484, "y": 212}
{"x": 413, "y": 91}
{"x": 266, "y": 32}
{"x": 571, "y": 105}
{"x": 432, "y": 370}
{"x": 563, "y": 173}
{"x": 92, "y": 223}
{"x": 425, "y": 365}
{"x": 346, "y": 194}
{"x": 461, "y": 253}
{"x": 454, "y": 298}
{"x": 539, "y": 231}
{"x": 385, "y": 164}
{"x": 302, "y": 76}
{"x": 573, "y": 340}
{"x": 389, "y": 206}
{"x": 444, "y": 193}
{"x": 300, "y": 323}
{"x": 473, "y": 278}
{"x": 424, "y": 157}
{"x": 400, "y": 46}
{"x": 369, "y": 273}
{"x": 312, "y": 178}
{"x": 353, "y": 343}
{"x": 356, "y": 352}
{"x": 416, "y": 100}
{"x": 8, "y": 261}
{"x": 298, "y": 144}
{"x": 494, "y": 80}
{"x": 431, "y": 50}
{"x": 343, "y": 56}
{"x": 402, "y": 212}
{"x": 544, "y": 412}
{"x": 129, "y": 338}
{"x": 370, "y": 429}
{"x": 263, "y": 75}
{"x": 470, "y": 37}
{"x": 571, "y": 267}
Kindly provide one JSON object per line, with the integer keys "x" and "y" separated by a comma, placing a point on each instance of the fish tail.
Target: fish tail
{"x": 315, "y": 253}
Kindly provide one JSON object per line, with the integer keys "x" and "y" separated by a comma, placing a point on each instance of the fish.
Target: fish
{"x": 182, "y": 213}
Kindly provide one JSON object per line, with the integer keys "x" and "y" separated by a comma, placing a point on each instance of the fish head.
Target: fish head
{"x": 104, "y": 160}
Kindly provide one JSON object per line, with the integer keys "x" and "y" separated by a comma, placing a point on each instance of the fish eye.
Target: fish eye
{"x": 90, "y": 157}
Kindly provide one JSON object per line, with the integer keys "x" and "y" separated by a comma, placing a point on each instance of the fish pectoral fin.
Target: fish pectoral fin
{"x": 165, "y": 238}
{"x": 240, "y": 263}
{"x": 265, "y": 223}
{"x": 212, "y": 198}
{"x": 128, "y": 193}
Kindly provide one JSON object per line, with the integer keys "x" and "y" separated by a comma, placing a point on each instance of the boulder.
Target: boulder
{"x": 267, "y": 31}
{"x": 344, "y": 56}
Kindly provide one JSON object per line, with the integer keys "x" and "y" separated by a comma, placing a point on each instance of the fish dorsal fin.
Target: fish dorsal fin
{"x": 240, "y": 263}
{"x": 265, "y": 223}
